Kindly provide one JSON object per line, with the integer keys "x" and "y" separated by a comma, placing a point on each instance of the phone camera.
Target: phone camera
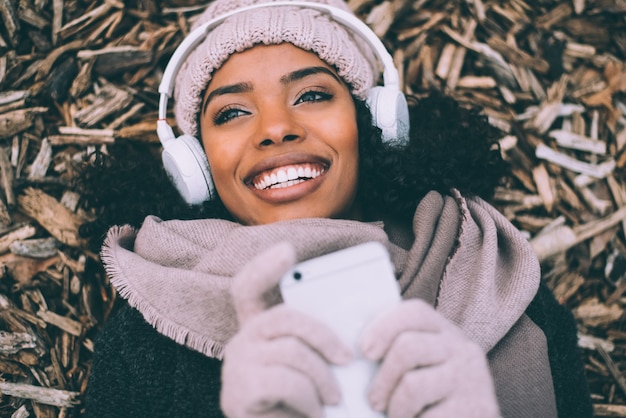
{"x": 297, "y": 275}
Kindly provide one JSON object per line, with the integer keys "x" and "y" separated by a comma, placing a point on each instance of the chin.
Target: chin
{"x": 350, "y": 214}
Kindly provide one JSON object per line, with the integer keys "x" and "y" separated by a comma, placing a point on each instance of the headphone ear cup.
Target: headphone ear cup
{"x": 390, "y": 112}
{"x": 186, "y": 164}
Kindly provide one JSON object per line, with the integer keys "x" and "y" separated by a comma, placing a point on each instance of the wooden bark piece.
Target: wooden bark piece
{"x": 35, "y": 248}
{"x": 12, "y": 342}
{"x": 46, "y": 396}
{"x": 18, "y": 232}
{"x": 14, "y": 122}
{"x": 8, "y": 16}
{"x": 66, "y": 324}
{"x": 562, "y": 238}
{"x": 72, "y": 135}
{"x": 110, "y": 100}
{"x": 113, "y": 60}
{"x": 60, "y": 222}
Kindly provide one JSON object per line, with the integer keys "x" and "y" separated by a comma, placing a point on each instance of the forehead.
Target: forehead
{"x": 264, "y": 61}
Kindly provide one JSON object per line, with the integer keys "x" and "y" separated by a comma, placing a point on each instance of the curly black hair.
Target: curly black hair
{"x": 450, "y": 147}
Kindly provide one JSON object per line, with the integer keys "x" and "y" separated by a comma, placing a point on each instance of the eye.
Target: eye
{"x": 314, "y": 96}
{"x": 227, "y": 114}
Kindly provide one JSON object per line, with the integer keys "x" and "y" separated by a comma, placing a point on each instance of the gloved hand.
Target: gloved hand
{"x": 429, "y": 367}
{"x": 278, "y": 363}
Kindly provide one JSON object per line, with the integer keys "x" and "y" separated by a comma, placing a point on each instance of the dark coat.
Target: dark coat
{"x": 138, "y": 372}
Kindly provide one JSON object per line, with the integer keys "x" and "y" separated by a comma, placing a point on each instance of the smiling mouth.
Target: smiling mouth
{"x": 287, "y": 176}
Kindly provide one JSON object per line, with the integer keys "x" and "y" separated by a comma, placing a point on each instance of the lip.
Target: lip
{"x": 294, "y": 192}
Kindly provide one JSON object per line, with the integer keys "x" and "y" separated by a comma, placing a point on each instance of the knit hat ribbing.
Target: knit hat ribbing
{"x": 307, "y": 29}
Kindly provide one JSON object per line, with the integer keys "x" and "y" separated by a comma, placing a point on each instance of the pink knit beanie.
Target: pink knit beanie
{"x": 307, "y": 29}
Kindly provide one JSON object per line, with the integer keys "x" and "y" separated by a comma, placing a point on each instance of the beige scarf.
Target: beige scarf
{"x": 463, "y": 257}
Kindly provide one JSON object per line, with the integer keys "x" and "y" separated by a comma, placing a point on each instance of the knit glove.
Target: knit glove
{"x": 278, "y": 363}
{"x": 429, "y": 368}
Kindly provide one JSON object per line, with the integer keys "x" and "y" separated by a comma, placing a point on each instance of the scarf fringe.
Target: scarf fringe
{"x": 121, "y": 235}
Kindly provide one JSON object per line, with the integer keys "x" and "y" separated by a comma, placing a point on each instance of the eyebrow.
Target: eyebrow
{"x": 245, "y": 87}
{"x": 229, "y": 89}
{"x": 308, "y": 71}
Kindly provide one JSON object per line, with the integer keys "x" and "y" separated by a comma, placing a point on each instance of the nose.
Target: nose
{"x": 277, "y": 124}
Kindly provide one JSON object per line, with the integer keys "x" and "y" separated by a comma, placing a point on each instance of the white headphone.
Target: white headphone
{"x": 184, "y": 158}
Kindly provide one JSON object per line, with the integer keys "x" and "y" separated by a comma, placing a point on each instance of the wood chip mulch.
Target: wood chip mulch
{"x": 76, "y": 76}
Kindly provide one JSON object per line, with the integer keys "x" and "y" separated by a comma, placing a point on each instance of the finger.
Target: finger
{"x": 271, "y": 392}
{"x": 420, "y": 390}
{"x": 258, "y": 277}
{"x": 410, "y": 315}
{"x": 290, "y": 388}
{"x": 292, "y": 353}
{"x": 474, "y": 407}
{"x": 451, "y": 407}
{"x": 445, "y": 390}
{"x": 411, "y": 350}
{"x": 284, "y": 321}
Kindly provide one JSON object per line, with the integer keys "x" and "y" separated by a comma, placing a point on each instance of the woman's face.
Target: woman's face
{"x": 279, "y": 129}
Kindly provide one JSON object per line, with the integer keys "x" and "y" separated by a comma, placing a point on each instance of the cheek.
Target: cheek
{"x": 223, "y": 161}
{"x": 348, "y": 149}
{"x": 349, "y": 143}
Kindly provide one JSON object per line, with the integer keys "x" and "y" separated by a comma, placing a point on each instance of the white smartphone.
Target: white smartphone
{"x": 346, "y": 289}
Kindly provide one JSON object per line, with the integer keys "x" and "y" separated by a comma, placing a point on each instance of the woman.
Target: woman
{"x": 300, "y": 171}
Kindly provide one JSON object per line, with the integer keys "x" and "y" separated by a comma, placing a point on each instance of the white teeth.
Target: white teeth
{"x": 284, "y": 178}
